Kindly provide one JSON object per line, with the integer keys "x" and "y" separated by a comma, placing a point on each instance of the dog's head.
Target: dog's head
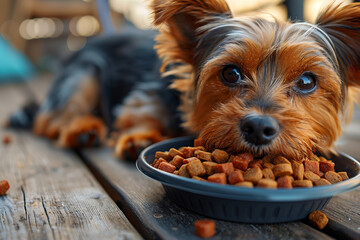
{"x": 256, "y": 85}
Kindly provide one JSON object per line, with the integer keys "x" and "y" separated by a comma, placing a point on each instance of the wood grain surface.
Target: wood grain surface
{"x": 52, "y": 194}
{"x": 145, "y": 204}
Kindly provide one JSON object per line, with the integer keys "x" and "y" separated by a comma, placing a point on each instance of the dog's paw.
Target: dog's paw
{"x": 84, "y": 131}
{"x": 129, "y": 145}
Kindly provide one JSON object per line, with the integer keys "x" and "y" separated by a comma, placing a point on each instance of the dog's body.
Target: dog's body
{"x": 248, "y": 85}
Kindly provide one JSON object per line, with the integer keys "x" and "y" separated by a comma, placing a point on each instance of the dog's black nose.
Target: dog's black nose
{"x": 259, "y": 129}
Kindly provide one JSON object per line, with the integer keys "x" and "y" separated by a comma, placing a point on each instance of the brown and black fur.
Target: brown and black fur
{"x": 271, "y": 55}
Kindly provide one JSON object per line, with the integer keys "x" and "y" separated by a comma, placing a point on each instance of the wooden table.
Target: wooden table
{"x": 61, "y": 194}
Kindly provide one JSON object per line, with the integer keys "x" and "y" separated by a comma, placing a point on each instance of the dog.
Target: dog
{"x": 242, "y": 85}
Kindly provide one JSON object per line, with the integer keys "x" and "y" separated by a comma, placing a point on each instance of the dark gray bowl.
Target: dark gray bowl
{"x": 248, "y": 205}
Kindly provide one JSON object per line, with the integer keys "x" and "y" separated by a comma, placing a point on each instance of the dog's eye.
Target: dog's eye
{"x": 231, "y": 75}
{"x": 306, "y": 83}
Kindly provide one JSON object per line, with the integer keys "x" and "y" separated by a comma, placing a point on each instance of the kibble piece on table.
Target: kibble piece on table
{"x": 4, "y": 187}
{"x": 318, "y": 219}
{"x": 205, "y": 228}
{"x": 6, "y": 139}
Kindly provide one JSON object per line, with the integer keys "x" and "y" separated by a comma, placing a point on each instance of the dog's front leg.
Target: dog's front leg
{"x": 141, "y": 121}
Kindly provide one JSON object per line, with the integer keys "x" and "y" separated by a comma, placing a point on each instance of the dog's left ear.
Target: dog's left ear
{"x": 183, "y": 20}
{"x": 342, "y": 25}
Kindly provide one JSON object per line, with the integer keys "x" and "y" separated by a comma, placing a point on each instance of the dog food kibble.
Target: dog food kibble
{"x": 282, "y": 169}
{"x": 245, "y": 184}
{"x": 253, "y": 174}
{"x": 209, "y": 167}
{"x": 204, "y": 228}
{"x": 267, "y": 183}
{"x": 343, "y": 175}
{"x": 226, "y": 168}
{"x": 268, "y": 173}
{"x": 177, "y": 161}
{"x": 206, "y": 156}
{"x": 235, "y": 177}
{"x": 4, "y": 186}
{"x": 220, "y": 156}
{"x": 312, "y": 166}
{"x": 321, "y": 182}
{"x": 241, "y": 161}
{"x": 311, "y": 176}
{"x": 218, "y": 178}
{"x": 195, "y": 168}
{"x": 167, "y": 167}
{"x": 326, "y": 166}
{"x": 318, "y": 219}
{"x": 302, "y": 183}
{"x": 298, "y": 170}
{"x": 6, "y": 139}
{"x": 280, "y": 159}
{"x": 183, "y": 171}
{"x": 333, "y": 177}
{"x": 243, "y": 170}
{"x": 285, "y": 182}
{"x": 174, "y": 152}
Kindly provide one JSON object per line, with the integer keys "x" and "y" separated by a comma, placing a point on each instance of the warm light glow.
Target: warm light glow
{"x": 41, "y": 28}
{"x": 84, "y": 26}
{"x": 136, "y": 11}
{"x": 313, "y": 7}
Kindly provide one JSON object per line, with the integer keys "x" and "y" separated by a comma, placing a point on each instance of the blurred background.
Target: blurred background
{"x": 36, "y": 35}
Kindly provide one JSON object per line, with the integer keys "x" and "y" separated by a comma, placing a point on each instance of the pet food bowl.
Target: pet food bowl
{"x": 247, "y": 205}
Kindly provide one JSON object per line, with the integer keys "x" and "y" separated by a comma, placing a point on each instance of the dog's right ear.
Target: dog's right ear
{"x": 181, "y": 22}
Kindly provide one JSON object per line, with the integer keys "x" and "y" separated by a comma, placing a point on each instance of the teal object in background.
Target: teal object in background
{"x": 14, "y": 66}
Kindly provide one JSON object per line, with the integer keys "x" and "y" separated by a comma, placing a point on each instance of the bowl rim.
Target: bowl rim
{"x": 242, "y": 193}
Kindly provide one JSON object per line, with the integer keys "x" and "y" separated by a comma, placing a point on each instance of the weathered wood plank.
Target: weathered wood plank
{"x": 52, "y": 193}
{"x": 144, "y": 202}
{"x": 343, "y": 210}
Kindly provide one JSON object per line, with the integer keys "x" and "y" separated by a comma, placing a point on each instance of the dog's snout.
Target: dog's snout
{"x": 259, "y": 129}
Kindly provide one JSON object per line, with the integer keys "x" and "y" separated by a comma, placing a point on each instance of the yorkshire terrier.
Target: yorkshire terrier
{"x": 245, "y": 85}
